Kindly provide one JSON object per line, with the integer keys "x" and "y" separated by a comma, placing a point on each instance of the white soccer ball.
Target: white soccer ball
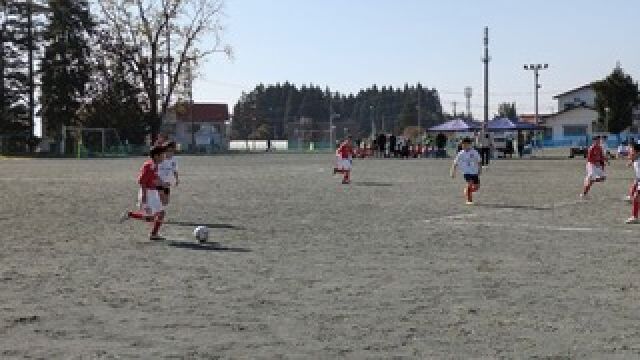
{"x": 201, "y": 233}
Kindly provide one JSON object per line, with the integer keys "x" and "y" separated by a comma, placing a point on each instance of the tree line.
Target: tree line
{"x": 271, "y": 111}
{"x": 101, "y": 63}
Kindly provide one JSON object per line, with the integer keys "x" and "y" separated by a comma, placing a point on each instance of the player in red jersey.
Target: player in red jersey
{"x": 632, "y": 157}
{"x": 345, "y": 153}
{"x": 595, "y": 166}
{"x": 151, "y": 209}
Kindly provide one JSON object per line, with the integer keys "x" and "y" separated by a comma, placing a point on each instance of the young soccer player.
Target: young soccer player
{"x": 470, "y": 163}
{"x": 336, "y": 167}
{"x": 635, "y": 197}
{"x": 595, "y": 167}
{"x": 345, "y": 151}
{"x": 168, "y": 172}
{"x": 151, "y": 209}
{"x": 632, "y": 155}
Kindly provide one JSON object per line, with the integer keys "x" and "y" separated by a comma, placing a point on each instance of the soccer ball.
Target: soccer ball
{"x": 201, "y": 233}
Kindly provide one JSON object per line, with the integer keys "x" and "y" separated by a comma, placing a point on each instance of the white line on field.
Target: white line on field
{"x": 515, "y": 225}
{"x": 451, "y": 217}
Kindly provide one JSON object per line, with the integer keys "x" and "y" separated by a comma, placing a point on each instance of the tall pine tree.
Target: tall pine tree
{"x": 66, "y": 67}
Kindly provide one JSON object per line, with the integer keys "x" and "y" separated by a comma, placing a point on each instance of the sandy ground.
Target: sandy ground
{"x": 394, "y": 265}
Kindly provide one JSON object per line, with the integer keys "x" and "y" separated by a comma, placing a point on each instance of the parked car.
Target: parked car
{"x": 578, "y": 150}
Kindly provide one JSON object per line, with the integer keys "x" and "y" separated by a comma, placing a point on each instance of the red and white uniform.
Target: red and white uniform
{"x": 595, "y": 163}
{"x": 344, "y": 154}
{"x": 167, "y": 169}
{"x": 149, "y": 180}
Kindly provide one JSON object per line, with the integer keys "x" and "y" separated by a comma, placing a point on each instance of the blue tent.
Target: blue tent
{"x": 456, "y": 125}
{"x": 501, "y": 124}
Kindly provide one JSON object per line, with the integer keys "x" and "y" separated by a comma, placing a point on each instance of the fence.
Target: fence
{"x": 279, "y": 145}
{"x": 16, "y": 143}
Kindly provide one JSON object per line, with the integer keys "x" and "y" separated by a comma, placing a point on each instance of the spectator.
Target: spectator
{"x": 441, "y": 144}
{"x": 381, "y": 144}
{"x": 520, "y": 144}
{"x": 392, "y": 145}
{"x": 485, "y": 142}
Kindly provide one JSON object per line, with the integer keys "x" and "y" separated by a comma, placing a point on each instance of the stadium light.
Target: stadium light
{"x": 536, "y": 77}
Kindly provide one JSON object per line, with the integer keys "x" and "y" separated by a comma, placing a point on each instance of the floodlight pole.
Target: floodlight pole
{"x": 373, "y": 126}
{"x": 486, "y": 60}
{"x": 536, "y": 79}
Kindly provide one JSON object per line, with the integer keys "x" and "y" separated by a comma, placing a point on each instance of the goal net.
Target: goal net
{"x": 91, "y": 142}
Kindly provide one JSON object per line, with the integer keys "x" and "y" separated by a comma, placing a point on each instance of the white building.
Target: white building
{"x": 575, "y": 117}
{"x": 203, "y": 125}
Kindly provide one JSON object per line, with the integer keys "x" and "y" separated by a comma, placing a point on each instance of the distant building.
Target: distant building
{"x": 575, "y": 117}
{"x": 531, "y": 118}
{"x": 202, "y": 123}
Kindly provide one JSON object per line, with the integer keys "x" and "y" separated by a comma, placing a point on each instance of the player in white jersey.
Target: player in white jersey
{"x": 470, "y": 164}
{"x": 168, "y": 173}
{"x": 635, "y": 197}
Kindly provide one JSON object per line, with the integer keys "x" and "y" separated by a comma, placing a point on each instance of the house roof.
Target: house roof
{"x": 586, "y": 86}
{"x": 202, "y": 112}
{"x": 572, "y": 108}
{"x": 531, "y": 118}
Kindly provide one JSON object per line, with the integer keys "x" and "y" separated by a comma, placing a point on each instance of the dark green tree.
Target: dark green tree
{"x": 616, "y": 96}
{"x": 66, "y": 67}
{"x": 507, "y": 110}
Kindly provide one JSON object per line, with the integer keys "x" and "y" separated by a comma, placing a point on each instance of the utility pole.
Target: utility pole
{"x": 419, "y": 109}
{"x": 454, "y": 103}
{"x": 486, "y": 60}
{"x": 30, "y": 59}
{"x": 536, "y": 80}
{"x": 373, "y": 125}
{"x": 190, "y": 80}
{"x": 468, "y": 93}
{"x": 285, "y": 117}
{"x": 331, "y": 141}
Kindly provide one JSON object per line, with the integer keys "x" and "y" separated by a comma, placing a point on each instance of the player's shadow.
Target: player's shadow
{"x": 205, "y": 247}
{"x": 210, "y": 226}
{"x": 371, "y": 183}
{"x": 506, "y": 206}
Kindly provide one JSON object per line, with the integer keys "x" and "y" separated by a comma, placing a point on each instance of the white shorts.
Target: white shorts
{"x": 595, "y": 172}
{"x": 344, "y": 164}
{"x": 153, "y": 201}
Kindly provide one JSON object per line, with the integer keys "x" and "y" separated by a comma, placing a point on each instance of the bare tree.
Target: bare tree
{"x": 152, "y": 34}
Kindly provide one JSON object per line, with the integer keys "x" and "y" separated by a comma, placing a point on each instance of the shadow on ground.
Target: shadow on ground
{"x": 205, "y": 247}
{"x": 505, "y": 206}
{"x": 371, "y": 183}
{"x": 210, "y": 226}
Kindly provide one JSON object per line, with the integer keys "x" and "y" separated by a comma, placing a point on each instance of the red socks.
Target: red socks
{"x": 140, "y": 216}
{"x": 156, "y": 227}
{"x": 157, "y": 222}
{"x": 469, "y": 192}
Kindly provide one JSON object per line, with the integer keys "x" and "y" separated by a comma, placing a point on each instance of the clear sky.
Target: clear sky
{"x": 351, "y": 44}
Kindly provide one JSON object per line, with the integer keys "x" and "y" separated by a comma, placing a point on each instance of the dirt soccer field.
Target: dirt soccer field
{"x": 394, "y": 265}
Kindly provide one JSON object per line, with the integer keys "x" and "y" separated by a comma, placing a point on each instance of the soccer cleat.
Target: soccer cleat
{"x": 627, "y": 198}
{"x": 156, "y": 238}
{"x": 469, "y": 203}
{"x": 632, "y": 220}
{"x": 584, "y": 196}
{"x": 346, "y": 182}
{"x": 124, "y": 217}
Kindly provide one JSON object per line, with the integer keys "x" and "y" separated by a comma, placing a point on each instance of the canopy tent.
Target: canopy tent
{"x": 456, "y": 125}
{"x": 502, "y": 124}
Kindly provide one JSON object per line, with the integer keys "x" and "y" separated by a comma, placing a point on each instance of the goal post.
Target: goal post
{"x": 84, "y": 142}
